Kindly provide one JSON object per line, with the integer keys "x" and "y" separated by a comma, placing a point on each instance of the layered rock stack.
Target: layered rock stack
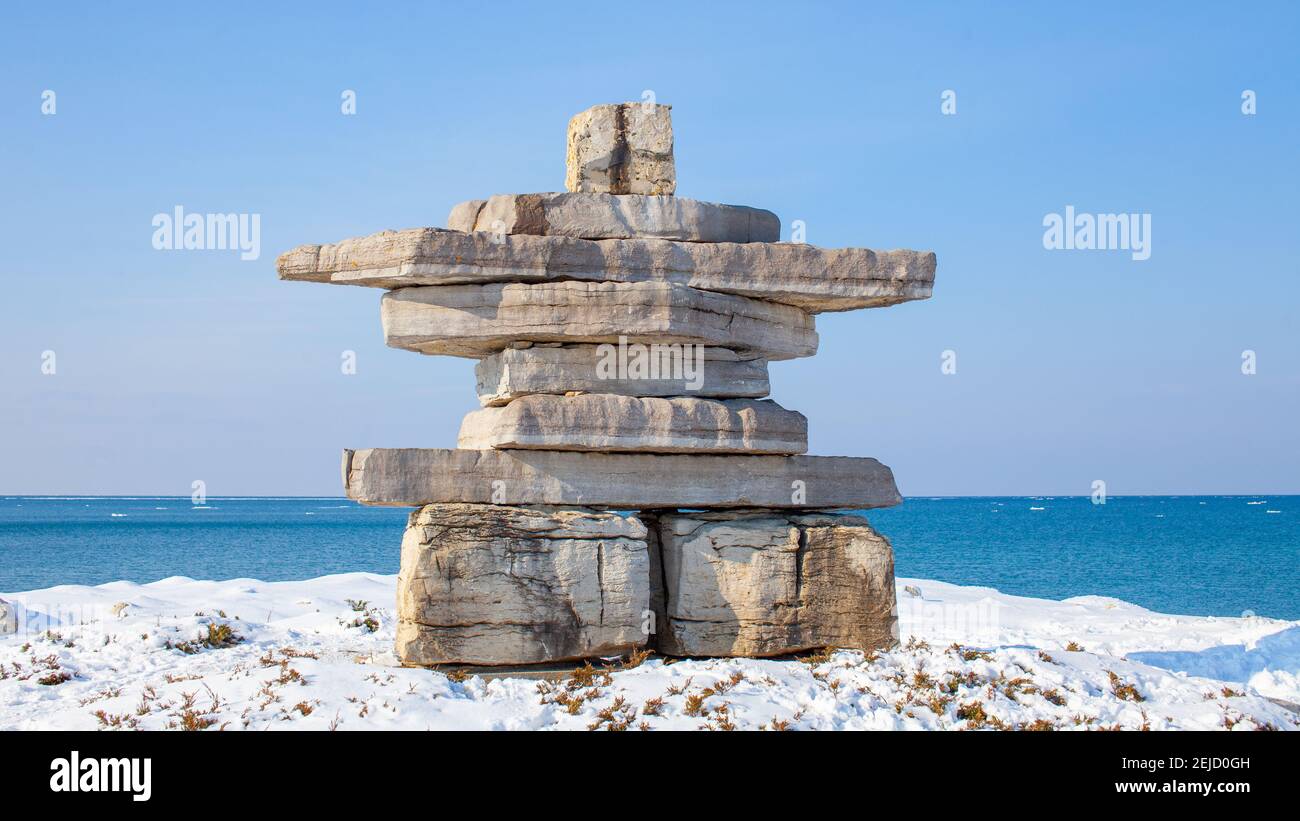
{"x": 623, "y": 337}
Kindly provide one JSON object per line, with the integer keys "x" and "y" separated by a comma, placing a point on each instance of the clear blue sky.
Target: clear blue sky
{"x": 1072, "y": 365}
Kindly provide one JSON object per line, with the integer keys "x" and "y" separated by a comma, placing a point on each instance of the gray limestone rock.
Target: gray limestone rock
{"x": 766, "y": 583}
{"x": 630, "y": 369}
{"x": 480, "y": 320}
{"x": 621, "y": 148}
{"x": 8, "y": 618}
{"x": 611, "y": 423}
{"x": 615, "y": 216}
{"x": 808, "y": 277}
{"x": 496, "y": 585}
{"x": 410, "y": 477}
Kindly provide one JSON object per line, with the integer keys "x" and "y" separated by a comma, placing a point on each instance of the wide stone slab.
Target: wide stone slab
{"x": 610, "y": 423}
{"x": 479, "y": 320}
{"x": 815, "y": 279}
{"x": 630, "y": 369}
{"x": 410, "y": 477}
{"x": 768, "y": 584}
{"x": 492, "y": 585}
{"x": 615, "y": 216}
{"x": 621, "y": 148}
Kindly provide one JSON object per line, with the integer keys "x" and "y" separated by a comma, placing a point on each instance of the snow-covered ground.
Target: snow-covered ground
{"x": 303, "y": 655}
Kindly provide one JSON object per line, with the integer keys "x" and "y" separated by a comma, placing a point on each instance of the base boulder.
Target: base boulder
{"x": 494, "y": 585}
{"x": 8, "y": 618}
{"x": 766, "y": 583}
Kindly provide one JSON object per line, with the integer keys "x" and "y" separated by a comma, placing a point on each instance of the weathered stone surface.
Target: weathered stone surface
{"x": 479, "y": 320}
{"x": 766, "y": 584}
{"x": 488, "y": 584}
{"x": 621, "y": 148}
{"x": 815, "y": 279}
{"x": 8, "y": 618}
{"x": 611, "y": 423}
{"x": 410, "y": 477}
{"x": 615, "y": 216}
{"x": 464, "y": 214}
{"x": 646, "y": 371}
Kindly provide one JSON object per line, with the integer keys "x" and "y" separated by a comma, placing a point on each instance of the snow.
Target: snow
{"x": 308, "y": 659}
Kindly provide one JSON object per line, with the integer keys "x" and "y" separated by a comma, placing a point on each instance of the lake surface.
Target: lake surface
{"x": 1202, "y": 555}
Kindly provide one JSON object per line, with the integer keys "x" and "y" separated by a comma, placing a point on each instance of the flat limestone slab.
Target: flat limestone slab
{"x": 615, "y": 216}
{"x": 479, "y": 320}
{"x": 627, "y": 369}
{"x": 769, "y": 584}
{"x": 410, "y": 477}
{"x": 815, "y": 279}
{"x": 611, "y": 423}
{"x": 621, "y": 148}
{"x": 490, "y": 584}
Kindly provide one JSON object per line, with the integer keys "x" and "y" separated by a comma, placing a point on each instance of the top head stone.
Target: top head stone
{"x": 621, "y": 148}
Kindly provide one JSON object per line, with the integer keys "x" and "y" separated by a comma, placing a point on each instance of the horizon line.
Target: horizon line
{"x": 248, "y": 496}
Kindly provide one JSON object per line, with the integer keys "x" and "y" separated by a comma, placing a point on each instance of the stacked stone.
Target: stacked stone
{"x": 623, "y": 337}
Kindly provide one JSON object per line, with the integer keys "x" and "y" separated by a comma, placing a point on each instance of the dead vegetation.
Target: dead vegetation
{"x": 188, "y": 717}
{"x": 1122, "y": 689}
{"x": 217, "y": 637}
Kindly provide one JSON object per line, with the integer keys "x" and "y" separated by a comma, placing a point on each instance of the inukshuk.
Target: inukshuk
{"x": 623, "y": 337}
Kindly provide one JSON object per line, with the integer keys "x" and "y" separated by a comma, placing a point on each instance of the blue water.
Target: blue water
{"x": 1216, "y": 555}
